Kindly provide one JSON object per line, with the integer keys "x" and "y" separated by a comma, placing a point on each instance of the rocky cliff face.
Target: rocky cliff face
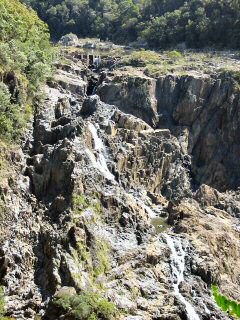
{"x": 202, "y": 111}
{"x": 130, "y": 193}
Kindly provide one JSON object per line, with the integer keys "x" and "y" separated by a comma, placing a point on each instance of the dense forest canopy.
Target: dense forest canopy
{"x": 25, "y": 60}
{"x": 160, "y": 23}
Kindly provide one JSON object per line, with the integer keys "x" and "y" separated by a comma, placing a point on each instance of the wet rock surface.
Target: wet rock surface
{"x": 97, "y": 170}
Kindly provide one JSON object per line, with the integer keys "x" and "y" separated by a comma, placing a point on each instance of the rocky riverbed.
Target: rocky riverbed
{"x": 130, "y": 192}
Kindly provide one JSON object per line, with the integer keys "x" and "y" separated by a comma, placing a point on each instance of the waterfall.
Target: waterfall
{"x": 150, "y": 212}
{"x": 98, "y": 144}
{"x": 178, "y": 266}
{"x": 99, "y": 161}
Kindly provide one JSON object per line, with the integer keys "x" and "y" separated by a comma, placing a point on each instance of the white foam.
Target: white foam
{"x": 99, "y": 161}
{"x": 150, "y": 212}
{"x": 178, "y": 266}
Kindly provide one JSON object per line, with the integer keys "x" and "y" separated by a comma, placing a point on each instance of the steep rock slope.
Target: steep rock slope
{"x": 202, "y": 109}
{"x": 106, "y": 202}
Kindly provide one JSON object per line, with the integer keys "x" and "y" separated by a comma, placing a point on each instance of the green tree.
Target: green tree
{"x": 25, "y": 62}
{"x": 162, "y": 23}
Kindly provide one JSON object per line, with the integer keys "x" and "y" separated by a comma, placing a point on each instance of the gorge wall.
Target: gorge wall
{"x": 202, "y": 111}
{"x": 129, "y": 194}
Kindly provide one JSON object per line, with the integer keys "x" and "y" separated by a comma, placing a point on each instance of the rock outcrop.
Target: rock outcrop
{"x": 205, "y": 108}
{"x": 123, "y": 195}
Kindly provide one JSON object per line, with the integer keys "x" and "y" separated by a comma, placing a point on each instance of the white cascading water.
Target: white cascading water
{"x": 150, "y": 212}
{"x": 99, "y": 161}
{"x": 178, "y": 266}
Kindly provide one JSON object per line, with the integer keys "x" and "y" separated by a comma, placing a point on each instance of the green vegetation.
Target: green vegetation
{"x": 2, "y": 306}
{"x": 2, "y": 303}
{"x": 86, "y": 306}
{"x": 160, "y": 224}
{"x": 95, "y": 259}
{"x": 12, "y": 117}
{"x": 159, "y": 23}
{"x": 226, "y": 304}
{"x": 102, "y": 264}
{"x": 25, "y": 61}
{"x": 141, "y": 58}
{"x": 174, "y": 55}
{"x": 182, "y": 63}
{"x": 81, "y": 203}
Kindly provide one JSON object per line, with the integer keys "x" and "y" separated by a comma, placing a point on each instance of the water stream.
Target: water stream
{"x": 174, "y": 244}
{"x": 150, "y": 212}
{"x": 178, "y": 266}
{"x": 99, "y": 161}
